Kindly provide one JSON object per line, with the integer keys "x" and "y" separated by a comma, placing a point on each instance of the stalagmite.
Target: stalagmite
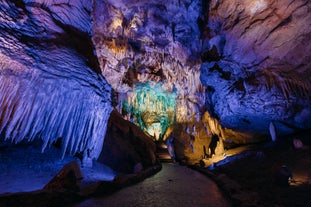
{"x": 272, "y": 130}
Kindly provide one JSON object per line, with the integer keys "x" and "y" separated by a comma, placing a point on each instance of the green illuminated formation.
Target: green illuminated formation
{"x": 151, "y": 108}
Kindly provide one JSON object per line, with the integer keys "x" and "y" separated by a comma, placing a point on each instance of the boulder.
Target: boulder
{"x": 126, "y": 148}
{"x": 68, "y": 178}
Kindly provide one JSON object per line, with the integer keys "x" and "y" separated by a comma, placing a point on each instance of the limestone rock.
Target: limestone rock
{"x": 151, "y": 41}
{"x": 126, "y": 148}
{"x": 50, "y": 81}
{"x": 245, "y": 63}
{"x": 68, "y": 178}
{"x": 261, "y": 72}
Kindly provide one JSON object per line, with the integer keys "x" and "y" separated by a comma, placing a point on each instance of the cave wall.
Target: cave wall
{"x": 151, "y": 41}
{"x": 50, "y": 81}
{"x": 236, "y": 66}
{"x": 154, "y": 43}
{"x": 260, "y": 69}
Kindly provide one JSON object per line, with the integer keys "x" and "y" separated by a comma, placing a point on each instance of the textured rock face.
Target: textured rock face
{"x": 255, "y": 60}
{"x": 50, "y": 81}
{"x": 257, "y": 68}
{"x": 151, "y": 41}
{"x": 229, "y": 65}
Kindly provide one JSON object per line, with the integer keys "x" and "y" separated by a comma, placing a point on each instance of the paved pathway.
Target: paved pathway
{"x": 174, "y": 185}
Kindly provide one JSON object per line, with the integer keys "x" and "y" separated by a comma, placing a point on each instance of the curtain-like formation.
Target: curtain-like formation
{"x": 50, "y": 87}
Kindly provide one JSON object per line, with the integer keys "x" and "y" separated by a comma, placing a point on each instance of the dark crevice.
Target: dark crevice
{"x": 202, "y": 20}
{"x": 254, "y": 22}
{"x": 211, "y": 55}
{"x": 239, "y": 85}
{"x": 290, "y": 3}
{"x": 209, "y": 101}
{"x": 282, "y": 24}
{"x": 19, "y": 4}
{"x": 223, "y": 74}
{"x": 83, "y": 44}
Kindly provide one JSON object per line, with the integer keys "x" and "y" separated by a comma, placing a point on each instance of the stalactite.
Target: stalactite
{"x": 52, "y": 112}
{"x": 289, "y": 84}
{"x": 50, "y": 86}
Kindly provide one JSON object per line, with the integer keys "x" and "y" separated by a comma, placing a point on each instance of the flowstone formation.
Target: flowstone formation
{"x": 50, "y": 81}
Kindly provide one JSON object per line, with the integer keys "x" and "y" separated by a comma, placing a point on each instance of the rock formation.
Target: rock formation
{"x": 151, "y": 41}
{"x": 261, "y": 72}
{"x": 191, "y": 67}
{"x": 50, "y": 81}
{"x": 127, "y": 148}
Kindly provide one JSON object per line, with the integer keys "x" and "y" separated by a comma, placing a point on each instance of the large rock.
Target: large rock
{"x": 127, "y": 148}
{"x": 68, "y": 178}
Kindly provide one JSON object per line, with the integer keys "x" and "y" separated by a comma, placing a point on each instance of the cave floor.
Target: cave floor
{"x": 25, "y": 168}
{"x": 254, "y": 177}
{"x": 174, "y": 185}
{"x": 246, "y": 176}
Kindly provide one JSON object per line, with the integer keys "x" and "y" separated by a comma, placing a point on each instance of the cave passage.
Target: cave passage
{"x": 174, "y": 185}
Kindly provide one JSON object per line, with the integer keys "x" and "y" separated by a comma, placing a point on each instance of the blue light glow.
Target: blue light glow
{"x": 151, "y": 108}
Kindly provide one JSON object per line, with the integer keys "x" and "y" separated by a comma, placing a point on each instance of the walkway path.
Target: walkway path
{"x": 173, "y": 186}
